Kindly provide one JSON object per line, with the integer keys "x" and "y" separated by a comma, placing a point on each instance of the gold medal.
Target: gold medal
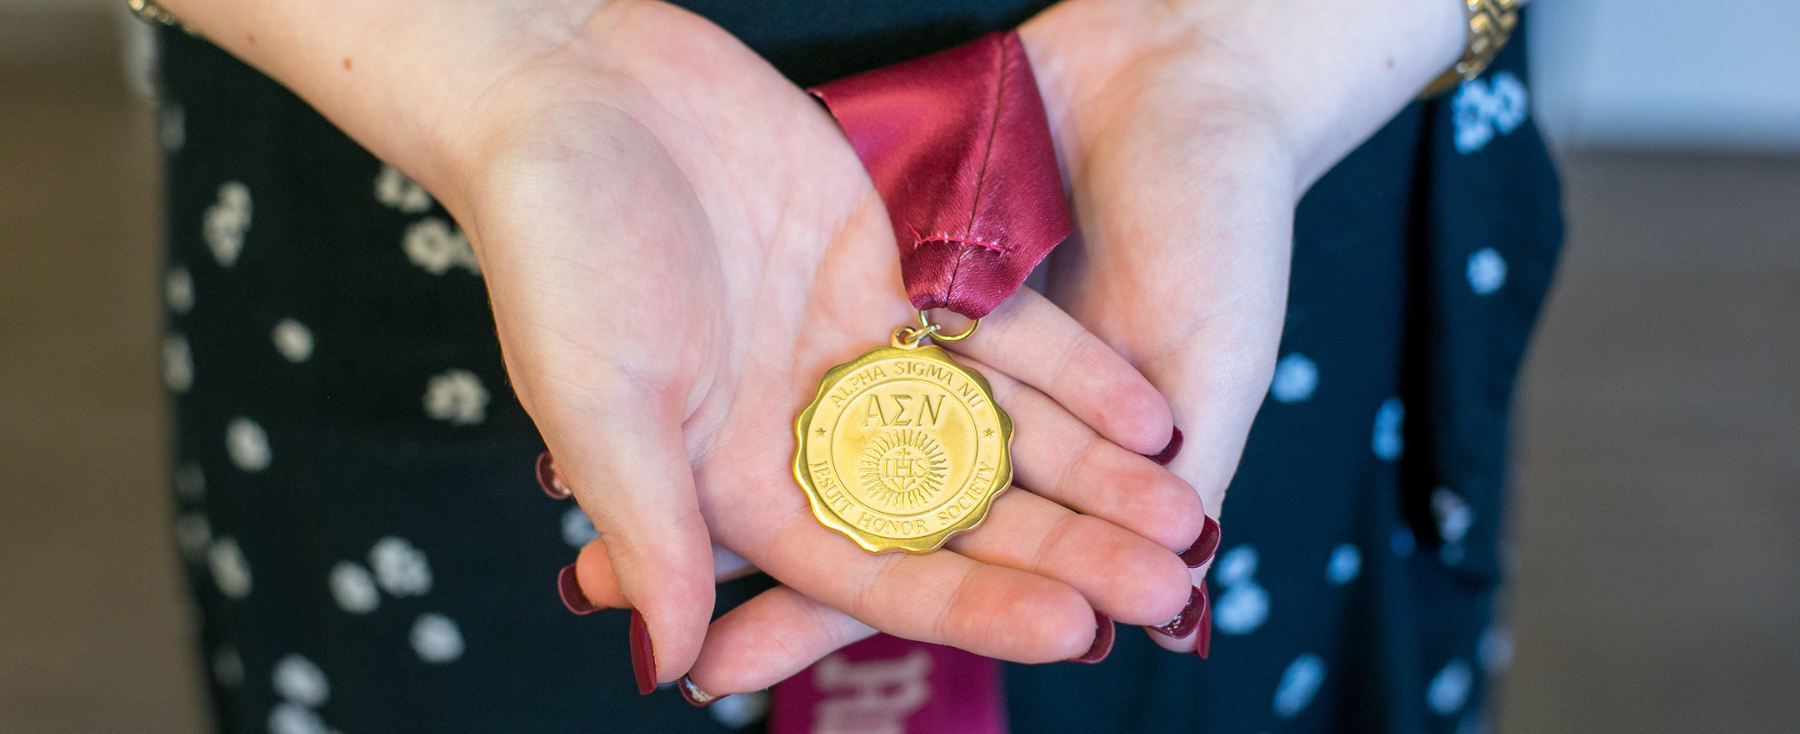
{"x": 903, "y": 447}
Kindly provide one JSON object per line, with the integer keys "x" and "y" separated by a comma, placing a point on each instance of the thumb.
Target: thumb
{"x": 633, "y": 479}
{"x": 588, "y": 585}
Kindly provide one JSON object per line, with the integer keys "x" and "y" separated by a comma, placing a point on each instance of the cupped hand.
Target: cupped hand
{"x": 1184, "y": 199}
{"x": 1187, "y": 132}
{"x": 1187, "y": 147}
{"x": 678, "y": 243}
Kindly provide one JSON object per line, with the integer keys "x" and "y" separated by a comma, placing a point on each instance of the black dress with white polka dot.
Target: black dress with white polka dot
{"x": 355, "y": 488}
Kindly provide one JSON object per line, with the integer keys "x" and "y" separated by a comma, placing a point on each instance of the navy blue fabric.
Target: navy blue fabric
{"x": 1354, "y": 589}
{"x": 1392, "y": 249}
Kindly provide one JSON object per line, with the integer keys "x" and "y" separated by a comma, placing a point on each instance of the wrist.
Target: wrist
{"x": 1352, "y": 67}
{"x": 1318, "y": 76}
{"x": 407, "y": 79}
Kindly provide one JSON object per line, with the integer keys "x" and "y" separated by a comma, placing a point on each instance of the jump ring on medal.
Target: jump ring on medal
{"x": 936, "y": 330}
{"x": 907, "y": 337}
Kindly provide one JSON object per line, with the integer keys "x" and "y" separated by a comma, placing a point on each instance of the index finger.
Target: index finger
{"x": 1031, "y": 339}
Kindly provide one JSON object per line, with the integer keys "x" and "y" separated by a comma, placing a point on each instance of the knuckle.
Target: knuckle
{"x": 1081, "y": 472}
{"x": 1075, "y": 362}
{"x": 1140, "y": 582}
{"x": 1174, "y": 510}
{"x": 1044, "y": 622}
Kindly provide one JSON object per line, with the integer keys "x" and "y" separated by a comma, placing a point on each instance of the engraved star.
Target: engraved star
{"x": 821, "y": 432}
{"x": 990, "y": 433}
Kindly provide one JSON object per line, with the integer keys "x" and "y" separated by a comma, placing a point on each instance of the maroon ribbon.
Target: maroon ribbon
{"x": 886, "y": 685}
{"x": 960, "y": 149}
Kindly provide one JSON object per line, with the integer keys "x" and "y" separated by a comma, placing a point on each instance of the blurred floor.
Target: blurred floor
{"x": 1659, "y": 450}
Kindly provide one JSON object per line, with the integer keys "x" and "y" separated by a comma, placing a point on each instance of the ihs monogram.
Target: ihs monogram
{"x": 902, "y": 468}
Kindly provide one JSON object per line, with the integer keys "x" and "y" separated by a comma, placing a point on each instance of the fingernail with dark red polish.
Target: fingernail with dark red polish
{"x": 643, "y": 658}
{"x": 569, "y": 588}
{"x": 1204, "y": 546}
{"x": 549, "y": 480}
{"x": 1183, "y": 624}
{"x": 693, "y": 694}
{"x": 1203, "y": 641}
{"x": 1103, "y": 641}
{"x": 1169, "y": 452}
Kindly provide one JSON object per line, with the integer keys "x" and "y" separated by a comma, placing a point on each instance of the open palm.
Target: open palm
{"x": 678, "y": 243}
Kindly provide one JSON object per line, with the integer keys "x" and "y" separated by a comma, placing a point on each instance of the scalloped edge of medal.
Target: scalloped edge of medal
{"x": 829, "y": 517}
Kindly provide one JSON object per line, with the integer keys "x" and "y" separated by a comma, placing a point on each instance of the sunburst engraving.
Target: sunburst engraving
{"x": 902, "y": 469}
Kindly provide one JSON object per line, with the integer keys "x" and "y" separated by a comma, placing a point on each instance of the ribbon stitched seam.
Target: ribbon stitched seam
{"x": 919, "y": 239}
{"x": 987, "y": 156}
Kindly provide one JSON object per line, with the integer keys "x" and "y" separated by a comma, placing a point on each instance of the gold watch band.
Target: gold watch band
{"x": 150, "y": 11}
{"x": 1491, "y": 22}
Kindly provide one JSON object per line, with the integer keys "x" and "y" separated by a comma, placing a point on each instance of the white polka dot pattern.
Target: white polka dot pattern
{"x": 1453, "y": 515}
{"x": 400, "y": 568}
{"x": 434, "y": 245}
{"x": 1387, "y": 442}
{"x": 456, "y": 397}
{"x": 293, "y": 340}
{"x": 292, "y": 718}
{"x": 354, "y": 588}
{"x": 1241, "y": 609}
{"x": 248, "y": 444}
{"x": 230, "y": 569}
{"x": 1454, "y": 518}
{"x": 577, "y": 529}
{"x": 178, "y": 290}
{"x": 1235, "y": 566}
{"x": 1345, "y": 563}
{"x": 178, "y": 364}
{"x": 1296, "y": 377}
{"x": 1486, "y": 271}
{"x": 1449, "y": 689}
{"x": 1299, "y": 682}
{"x": 1244, "y": 605}
{"x": 740, "y": 710}
{"x": 299, "y": 680}
{"x": 394, "y": 189}
{"x": 1482, "y": 109}
{"x": 436, "y": 638}
{"x": 226, "y": 221}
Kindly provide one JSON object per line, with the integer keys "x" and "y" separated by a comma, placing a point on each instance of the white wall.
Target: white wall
{"x": 1707, "y": 74}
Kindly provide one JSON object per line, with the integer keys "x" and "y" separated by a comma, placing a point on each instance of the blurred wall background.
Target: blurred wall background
{"x": 1719, "y": 75}
{"x": 1657, "y": 578}
{"x": 94, "y": 630}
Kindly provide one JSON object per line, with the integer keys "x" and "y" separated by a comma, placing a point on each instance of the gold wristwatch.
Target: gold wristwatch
{"x": 150, "y": 11}
{"x": 1491, "y": 22}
